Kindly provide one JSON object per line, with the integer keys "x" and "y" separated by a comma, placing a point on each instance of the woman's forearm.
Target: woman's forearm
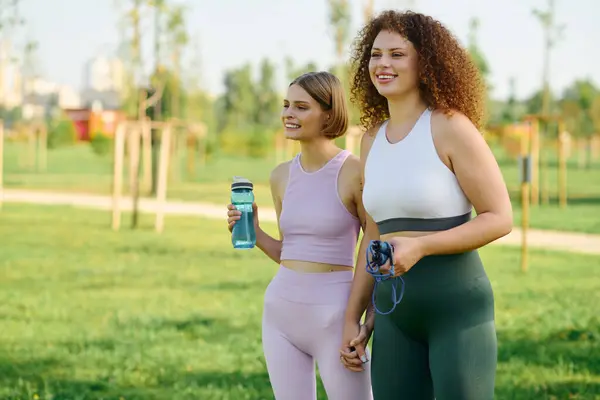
{"x": 362, "y": 284}
{"x": 481, "y": 230}
{"x": 269, "y": 245}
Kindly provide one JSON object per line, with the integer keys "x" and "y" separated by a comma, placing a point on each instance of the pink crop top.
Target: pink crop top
{"x": 315, "y": 224}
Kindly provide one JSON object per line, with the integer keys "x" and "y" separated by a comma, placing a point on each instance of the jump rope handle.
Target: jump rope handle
{"x": 378, "y": 253}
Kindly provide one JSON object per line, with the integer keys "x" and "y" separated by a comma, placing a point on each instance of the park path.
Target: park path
{"x": 555, "y": 240}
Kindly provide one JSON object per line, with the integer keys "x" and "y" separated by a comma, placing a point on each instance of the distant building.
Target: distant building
{"x": 103, "y": 81}
{"x": 103, "y": 74}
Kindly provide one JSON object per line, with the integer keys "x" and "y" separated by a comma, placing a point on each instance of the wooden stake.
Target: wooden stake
{"x": 191, "y": 145}
{"x": 147, "y": 155}
{"x": 118, "y": 175}
{"x": 535, "y": 162}
{"x": 135, "y": 137}
{"x": 202, "y": 139}
{"x": 161, "y": 187}
{"x": 563, "y": 137}
{"x": 525, "y": 193}
{"x": 31, "y": 146}
{"x": 43, "y": 147}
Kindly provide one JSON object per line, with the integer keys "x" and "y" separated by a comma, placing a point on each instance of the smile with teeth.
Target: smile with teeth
{"x": 291, "y": 126}
{"x": 385, "y": 77}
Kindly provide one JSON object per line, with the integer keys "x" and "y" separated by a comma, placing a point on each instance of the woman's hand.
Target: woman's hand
{"x": 353, "y": 353}
{"x": 407, "y": 252}
{"x": 234, "y": 215}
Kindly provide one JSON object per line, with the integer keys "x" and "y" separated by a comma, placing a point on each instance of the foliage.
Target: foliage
{"x": 576, "y": 107}
{"x": 248, "y": 111}
{"x": 101, "y": 144}
{"x": 61, "y": 132}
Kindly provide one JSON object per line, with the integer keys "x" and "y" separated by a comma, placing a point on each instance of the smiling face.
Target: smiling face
{"x": 393, "y": 66}
{"x": 302, "y": 116}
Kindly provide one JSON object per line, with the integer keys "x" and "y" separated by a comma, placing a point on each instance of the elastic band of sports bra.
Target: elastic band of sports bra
{"x": 421, "y": 224}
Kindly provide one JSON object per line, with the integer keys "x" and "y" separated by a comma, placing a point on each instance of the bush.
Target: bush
{"x": 259, "y": 143}
{"x": 101, "y": 143}
{"x": 255, "y": 142}
{"x": 61, "y": 133}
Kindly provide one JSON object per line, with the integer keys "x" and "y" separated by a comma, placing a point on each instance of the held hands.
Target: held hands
{"x": 234, "y": 215}
{"x": 407, "y": 252}
{"x": 353, "y": 353}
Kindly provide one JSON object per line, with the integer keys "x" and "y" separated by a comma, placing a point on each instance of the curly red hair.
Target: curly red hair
{"x": 449, "y": 80}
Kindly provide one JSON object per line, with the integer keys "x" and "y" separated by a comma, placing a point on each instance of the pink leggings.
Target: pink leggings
{"x": 303, "y": 320}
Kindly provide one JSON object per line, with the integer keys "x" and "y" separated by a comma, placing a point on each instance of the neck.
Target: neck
{"x": 317, "y": 153}
{"x": 405, "y": 108}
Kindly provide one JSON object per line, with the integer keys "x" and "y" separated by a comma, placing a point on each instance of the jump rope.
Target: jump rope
{"x": 378, "y": 253}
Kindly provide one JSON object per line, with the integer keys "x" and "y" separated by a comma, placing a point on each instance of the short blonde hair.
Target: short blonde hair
{"x": 327, "y": 90}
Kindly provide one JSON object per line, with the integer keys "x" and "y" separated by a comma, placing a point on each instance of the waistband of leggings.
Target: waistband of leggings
{"x": 288, "y": 275}
{"x": 312, "y": 288}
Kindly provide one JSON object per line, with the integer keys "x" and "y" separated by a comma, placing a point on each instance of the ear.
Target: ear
{"x": 326, "y": 117}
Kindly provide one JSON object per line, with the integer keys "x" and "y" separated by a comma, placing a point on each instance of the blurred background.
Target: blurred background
{"x": 123, "y": 122}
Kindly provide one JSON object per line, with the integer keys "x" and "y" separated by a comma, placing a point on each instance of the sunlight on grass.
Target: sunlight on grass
{"x": 93, "y": 314}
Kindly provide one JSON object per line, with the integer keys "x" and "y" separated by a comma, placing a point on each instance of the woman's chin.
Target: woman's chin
{"x": 388, "y": 91}
{"x": 294, "y": 134}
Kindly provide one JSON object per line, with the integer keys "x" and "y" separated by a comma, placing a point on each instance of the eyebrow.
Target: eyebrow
{"x": 395, "y": 48}
{"x": 297, "y": 101}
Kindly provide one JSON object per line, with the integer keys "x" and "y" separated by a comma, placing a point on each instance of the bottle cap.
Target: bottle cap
{"x": 241, "y": 183}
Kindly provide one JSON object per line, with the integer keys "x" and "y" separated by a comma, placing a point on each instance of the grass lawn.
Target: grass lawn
{"x": 78, "y": 169}
{"x": 92, "y": 314}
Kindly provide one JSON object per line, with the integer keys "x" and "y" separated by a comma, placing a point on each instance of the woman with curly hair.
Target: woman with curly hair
{"x": 425, "y": 167}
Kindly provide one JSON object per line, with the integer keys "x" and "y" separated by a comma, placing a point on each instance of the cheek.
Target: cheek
{"x": 372, "y": 67}
{"x": 408, "y": 69}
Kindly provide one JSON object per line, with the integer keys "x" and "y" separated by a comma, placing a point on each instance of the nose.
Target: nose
{"x": 384, "y": 61}
{"x": 286, "y": 112}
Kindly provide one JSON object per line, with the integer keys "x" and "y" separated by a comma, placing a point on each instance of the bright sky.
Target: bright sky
{"x": 232, "y": 32}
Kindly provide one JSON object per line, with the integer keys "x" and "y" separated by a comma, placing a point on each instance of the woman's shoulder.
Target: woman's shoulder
{"x": 280, "y": 172}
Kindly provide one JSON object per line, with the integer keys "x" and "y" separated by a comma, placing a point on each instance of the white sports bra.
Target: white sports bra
{"x": 407, "y": 186}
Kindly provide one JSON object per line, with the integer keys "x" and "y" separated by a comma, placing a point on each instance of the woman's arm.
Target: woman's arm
{"x": 481, "y": 180}
{"x": 268, "y": 244}
{"x": 362, "y": 284}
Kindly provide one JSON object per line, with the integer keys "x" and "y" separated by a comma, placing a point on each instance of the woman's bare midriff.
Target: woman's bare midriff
{"x": 306, "y": 266}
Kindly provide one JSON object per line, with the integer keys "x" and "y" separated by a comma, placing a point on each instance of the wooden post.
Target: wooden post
{"x": 1, "y": 163}
{"x": 526, "y": 175}
{"x": 563, "y": 137}
{"x": 543, "y": 174}
{"x": 582, "y": 160}
{"x": 31, "y": 146}
{"x": 43, "y": 147}
{"x": 118, "y": 174}
{"x": 147, "y": 155}
{"x": 191, "y": 146}
{"x": 202, "y": 137}
{"x": 535, "y": 162}
{"x": 161, "y": 187}
{"x": 175, "y": 156}
{"x": 135, "y": 136}
{"x": 595, "y": 147}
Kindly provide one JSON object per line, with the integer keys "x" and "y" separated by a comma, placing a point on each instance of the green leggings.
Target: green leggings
{"x": 440, "y": 341}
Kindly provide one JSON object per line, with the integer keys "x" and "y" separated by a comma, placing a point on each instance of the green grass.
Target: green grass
{"x": 78, "y": 169}
{"x": 88, "y": 313}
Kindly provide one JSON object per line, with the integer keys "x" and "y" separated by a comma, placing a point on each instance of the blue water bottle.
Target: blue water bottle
{"x": 243, "y": 235}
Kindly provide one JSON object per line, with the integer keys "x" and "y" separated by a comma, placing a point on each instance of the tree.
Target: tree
{"x": 293, "y": 71}
{"x": 552, "y": 34}
{"x": 340, "y": 20}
